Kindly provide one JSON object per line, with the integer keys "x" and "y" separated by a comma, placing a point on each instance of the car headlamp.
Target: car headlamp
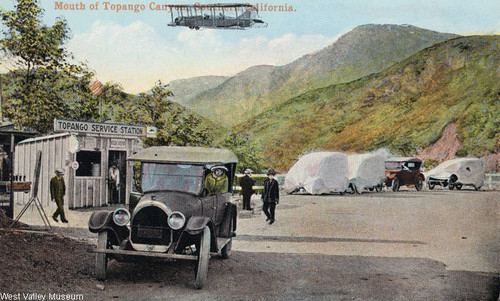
{"x": 121, "y": 216}
{"x": 176, "y": 220}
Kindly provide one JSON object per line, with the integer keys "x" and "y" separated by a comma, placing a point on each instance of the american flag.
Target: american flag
{"x": 96, "y": 87}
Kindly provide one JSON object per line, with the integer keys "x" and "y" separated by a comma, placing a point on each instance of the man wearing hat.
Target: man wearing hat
{"x": 57, "y": 192}
{"x": 270, "y": 195}
{"x": 216, "y": 181}
{"x": 246, "y": 184}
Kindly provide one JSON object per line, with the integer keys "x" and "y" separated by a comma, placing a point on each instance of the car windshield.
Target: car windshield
{"x": 391, "y": 165}
{"x": 176, "y": 177}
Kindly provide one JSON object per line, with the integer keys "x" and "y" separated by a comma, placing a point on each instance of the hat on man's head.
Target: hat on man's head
{"x": 248, "y": 171}
{"x": 60, "y": 171}
{"x": 218, "y": 167}
{"x": 271, "y": 172}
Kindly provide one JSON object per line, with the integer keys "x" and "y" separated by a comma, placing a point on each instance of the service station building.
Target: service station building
{"x": 86, "y": 152}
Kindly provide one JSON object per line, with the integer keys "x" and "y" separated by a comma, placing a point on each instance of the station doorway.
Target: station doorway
{"x": 117, "y": 175}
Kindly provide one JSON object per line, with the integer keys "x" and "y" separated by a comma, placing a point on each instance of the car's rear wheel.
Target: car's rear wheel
{"x": 378, "y": 188}
{"x": 453, "y": 179}
{"x": 431, "y": 185}
{"x": 203, "y": 259}
{"x": 225, "y": 252}
{"x": 101, "y": 259}
{"x": 395, "y": 184}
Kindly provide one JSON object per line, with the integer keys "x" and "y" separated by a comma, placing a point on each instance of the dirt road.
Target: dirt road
{"x": 439, "y": 245}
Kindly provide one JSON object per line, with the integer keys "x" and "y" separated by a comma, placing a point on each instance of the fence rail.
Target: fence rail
{"x": 492, "y": 180}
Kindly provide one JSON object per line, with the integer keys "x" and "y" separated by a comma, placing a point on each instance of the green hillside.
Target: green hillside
{"x": 405, "y": 108}
{"x": 364, "y": 50}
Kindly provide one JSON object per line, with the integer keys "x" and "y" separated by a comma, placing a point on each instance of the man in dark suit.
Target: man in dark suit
{"x": 270, "y": 195}
{"x": 246, "y": 184}
{"x": 57, "y": 192}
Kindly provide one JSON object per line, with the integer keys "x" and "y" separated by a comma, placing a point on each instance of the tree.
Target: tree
{"x": 246, "y": 152}
{"x": 43, "y": 78}
{"x": 176, "y": 125}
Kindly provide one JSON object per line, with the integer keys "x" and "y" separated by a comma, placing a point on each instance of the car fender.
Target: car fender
{"x": 392, "y": 176}
{"x": 195, "y": 226}
{"x": 102, "y": 220}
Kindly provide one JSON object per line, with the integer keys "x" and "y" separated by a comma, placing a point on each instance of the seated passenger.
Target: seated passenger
{"x": 216, "y": 181}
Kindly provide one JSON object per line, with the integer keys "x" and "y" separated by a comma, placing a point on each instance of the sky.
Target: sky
{"x": 136, "y": 49}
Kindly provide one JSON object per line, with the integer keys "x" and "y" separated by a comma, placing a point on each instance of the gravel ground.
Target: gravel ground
{"x": 437, "y": 245}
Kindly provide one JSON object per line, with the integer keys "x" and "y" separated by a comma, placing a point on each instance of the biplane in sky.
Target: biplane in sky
{"x": 221, "y": 16}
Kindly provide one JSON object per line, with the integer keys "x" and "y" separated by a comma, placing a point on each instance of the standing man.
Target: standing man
{"x": 57, "y": 192}
{"x": 246, "y": 184}
{"x": 270, "y": 195}
{"x": 114, "y": 184}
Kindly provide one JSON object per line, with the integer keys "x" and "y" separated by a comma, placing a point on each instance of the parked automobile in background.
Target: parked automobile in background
{"x": 366, "y": 171}
{"x": 457, "y": 173}
{"x": 180, "y": 208}
{"x": 404, "y": 171}
{"x": 318, "y": 173}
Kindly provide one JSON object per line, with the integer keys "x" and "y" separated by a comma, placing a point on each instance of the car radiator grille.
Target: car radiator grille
{"x": 149, "y": 226}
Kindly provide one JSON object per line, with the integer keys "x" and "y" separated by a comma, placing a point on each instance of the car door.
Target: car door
{"x": 220, "y": 206}
{"x": 209, "y": 203}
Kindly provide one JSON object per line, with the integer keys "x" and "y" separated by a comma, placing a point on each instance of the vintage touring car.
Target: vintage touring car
{"x": 457, "y": 173}
{"x": 403, "y": 172}
{"x": 180, "y": 208}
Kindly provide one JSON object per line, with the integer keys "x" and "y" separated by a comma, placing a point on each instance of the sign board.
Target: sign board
{"x": 151, "y": 131}
{"x": 118, "y": 143}
{"x": 75, "y": 165}
{"x": 98, "y": 128}
{"x": 19, "y": 186}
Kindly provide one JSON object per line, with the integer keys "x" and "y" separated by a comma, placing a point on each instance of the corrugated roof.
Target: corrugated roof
{"x": 184, "y": 154}
{"x": 48, "y": 137}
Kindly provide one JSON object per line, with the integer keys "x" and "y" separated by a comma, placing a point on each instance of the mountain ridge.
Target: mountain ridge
{"x": 364, "y": 50}
{"x": 406, "y": 107}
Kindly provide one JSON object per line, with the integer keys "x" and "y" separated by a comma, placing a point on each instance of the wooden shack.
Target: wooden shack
{"x": 85, "y": 151}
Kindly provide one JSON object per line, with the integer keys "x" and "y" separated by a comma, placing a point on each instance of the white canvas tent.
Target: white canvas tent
{"x": 317, "y": 173}
{"x": 366, "y": 171}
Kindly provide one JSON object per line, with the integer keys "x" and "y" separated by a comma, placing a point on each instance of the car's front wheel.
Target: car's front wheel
{"x": 395, "y": 184}
{"x": 431, "y": 185}
{"x": 203, "y": 259}
{"x": 101, "y": 259}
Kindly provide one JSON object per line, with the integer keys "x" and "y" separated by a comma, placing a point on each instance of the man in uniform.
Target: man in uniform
{"x": 57, "y": 192}
{"x": 246, "y": 184}
{"x": 216, "y": 181}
